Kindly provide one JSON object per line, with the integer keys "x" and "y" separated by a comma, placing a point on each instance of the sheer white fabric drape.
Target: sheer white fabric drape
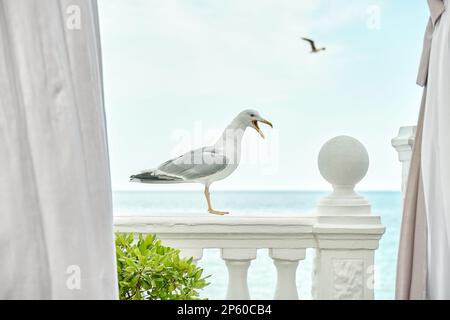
{"x": 56, "y": 226}
{"x": 436, "y": 161}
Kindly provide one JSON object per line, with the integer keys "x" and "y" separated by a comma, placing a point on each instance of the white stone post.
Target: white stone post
{"x": 347, "y": 234}
{"x": 238, "y": 262}
{"x": 403, "y": 143}
{"x": 286, "y": 262}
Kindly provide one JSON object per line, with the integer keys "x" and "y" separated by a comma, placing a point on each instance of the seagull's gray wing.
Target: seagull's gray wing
{"x": 196, "y": 164}
{"x": 311, "y": 42}
{"x": 193, "y": 165}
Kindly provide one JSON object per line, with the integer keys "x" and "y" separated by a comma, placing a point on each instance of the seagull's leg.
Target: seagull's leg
{"x": 208, "y": 200}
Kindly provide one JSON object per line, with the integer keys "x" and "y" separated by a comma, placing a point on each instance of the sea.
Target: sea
{"x": 262, "y": 272}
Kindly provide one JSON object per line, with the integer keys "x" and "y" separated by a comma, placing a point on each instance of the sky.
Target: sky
{"x": 176, "y": 72}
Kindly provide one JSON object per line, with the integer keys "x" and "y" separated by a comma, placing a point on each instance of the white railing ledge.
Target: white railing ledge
{"x": 201, "y": 232}
{"x": 188, "y": 219}
{"x": 201, "y": 224}
{"x": 273, "y": 232}
{"x": 194, "y": 224}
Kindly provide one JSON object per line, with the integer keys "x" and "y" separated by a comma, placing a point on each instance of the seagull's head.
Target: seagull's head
{"x": 251, "y": 118}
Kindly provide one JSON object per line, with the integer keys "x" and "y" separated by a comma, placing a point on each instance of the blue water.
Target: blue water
{"x": 262, "y": 274}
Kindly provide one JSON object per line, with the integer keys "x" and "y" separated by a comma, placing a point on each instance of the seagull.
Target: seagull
{"x": 208, "y": 164}
{"x": 313, "y": 46}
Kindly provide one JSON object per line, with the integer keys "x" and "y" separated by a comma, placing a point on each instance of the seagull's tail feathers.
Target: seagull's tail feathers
{"x": 155, "y": 176}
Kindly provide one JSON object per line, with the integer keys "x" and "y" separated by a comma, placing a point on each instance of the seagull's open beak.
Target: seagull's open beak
{"x": 256, "y": 126}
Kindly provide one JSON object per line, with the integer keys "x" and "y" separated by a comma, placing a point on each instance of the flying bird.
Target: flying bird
{"x": 314, "y": 49}
{"x": 208, "y": 164}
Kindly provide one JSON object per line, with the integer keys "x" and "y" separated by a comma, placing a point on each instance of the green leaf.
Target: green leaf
{"x": 148, "y": 270}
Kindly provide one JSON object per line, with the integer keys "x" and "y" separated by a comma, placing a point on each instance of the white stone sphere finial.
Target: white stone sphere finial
{"x": 343, "y": 161}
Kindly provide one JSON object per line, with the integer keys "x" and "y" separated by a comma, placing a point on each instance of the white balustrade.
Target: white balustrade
{"x": 403, "y": 143}
{"x": 342, "y": 231}
{"x": 238, "y": 237}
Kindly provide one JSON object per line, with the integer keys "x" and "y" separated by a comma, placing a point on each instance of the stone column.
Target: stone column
{"x": 346, "y": 232}
{"x": 403, "y": 144}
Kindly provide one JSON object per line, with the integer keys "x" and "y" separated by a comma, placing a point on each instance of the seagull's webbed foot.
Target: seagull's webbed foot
{"x": 210, "y": 209}
{"x": 218, "y": 213}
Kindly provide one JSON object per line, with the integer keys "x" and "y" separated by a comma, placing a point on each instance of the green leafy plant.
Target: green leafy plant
{"x": 150, "y": 271}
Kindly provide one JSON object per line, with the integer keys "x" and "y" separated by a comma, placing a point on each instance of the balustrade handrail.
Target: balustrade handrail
{"x": 176, "y": 229}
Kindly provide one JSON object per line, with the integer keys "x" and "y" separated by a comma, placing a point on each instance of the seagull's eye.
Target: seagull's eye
{"x": 252, "y": 115}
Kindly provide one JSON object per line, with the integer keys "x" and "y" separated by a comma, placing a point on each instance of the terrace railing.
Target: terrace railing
{"x": 403, "y": 143}
{"x": 342, "y": 231}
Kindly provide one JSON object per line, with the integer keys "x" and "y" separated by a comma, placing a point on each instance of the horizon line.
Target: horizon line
{"x": 252, "y": 190}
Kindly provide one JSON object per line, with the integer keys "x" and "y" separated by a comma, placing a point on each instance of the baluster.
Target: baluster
{"x": 286, "y": 262}
{"x": 194, "y": 253}
{"x": 237, "y": 262}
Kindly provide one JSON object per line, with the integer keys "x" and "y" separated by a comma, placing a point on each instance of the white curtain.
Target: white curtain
{"x": 56, "y": 226}
{"x": 436, "y": 161}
